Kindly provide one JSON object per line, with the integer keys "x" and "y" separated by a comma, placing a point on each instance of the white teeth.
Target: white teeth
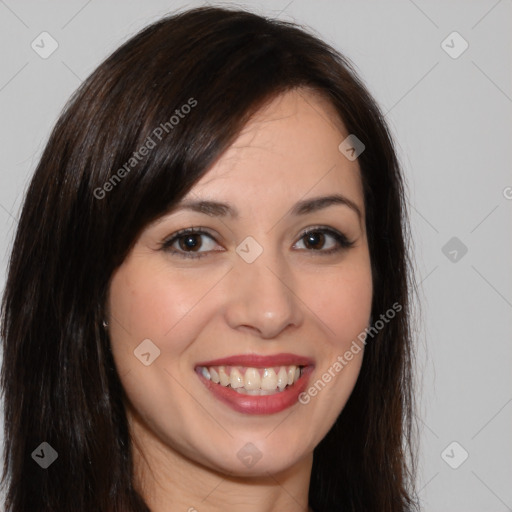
{"x": 253, "y": 381}
{"x": 235, "y": 379}
{"x": 224, "y": 377}
{"x": 291, "y": 375}
{"x": 214, "y": 376}
{"x": 269, "y": 380}
{"x": 282, "y": 378}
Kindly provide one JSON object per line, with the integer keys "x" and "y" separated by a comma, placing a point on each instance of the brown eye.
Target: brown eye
{"x": 188, "y": 242}
{"x": 316, "y": 239}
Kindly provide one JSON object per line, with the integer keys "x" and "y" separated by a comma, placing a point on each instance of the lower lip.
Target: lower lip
{"x": 267, "y": 404}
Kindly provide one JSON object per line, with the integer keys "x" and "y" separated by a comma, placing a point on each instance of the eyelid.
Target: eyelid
{"x": 343, "y": 242}
{"x": 195, "y": 230}
{"x": 339, "y": 236}
{"x": 184, "y": 231}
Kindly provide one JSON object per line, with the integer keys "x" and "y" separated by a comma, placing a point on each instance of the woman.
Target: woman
{"x": 208, "y": 296}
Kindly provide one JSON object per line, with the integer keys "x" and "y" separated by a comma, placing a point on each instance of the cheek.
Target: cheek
{"x": 146, "y": 302}
{"x": 343, "y": 306}
{"x": 146, "y": 298}
{"x": 342, "y": 301}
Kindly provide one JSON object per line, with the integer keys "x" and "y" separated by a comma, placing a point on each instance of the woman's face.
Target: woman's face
{"x": 265, "y": 280}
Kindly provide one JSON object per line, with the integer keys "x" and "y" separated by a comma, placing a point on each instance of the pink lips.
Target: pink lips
{"x": 251, "y": 404}
{"x": 257, "y": 361}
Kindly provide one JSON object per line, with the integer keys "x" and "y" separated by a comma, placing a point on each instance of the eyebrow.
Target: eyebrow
{"x": 217, "y": 209}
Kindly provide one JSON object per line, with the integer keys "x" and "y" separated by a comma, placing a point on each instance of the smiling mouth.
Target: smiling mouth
{"x": 251, "y": 380}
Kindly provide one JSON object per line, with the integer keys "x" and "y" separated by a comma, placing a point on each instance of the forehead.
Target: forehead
{"x": 287, "y": 151}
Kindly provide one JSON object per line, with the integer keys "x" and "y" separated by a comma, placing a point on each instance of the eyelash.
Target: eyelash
{"x": 340, "y": 238}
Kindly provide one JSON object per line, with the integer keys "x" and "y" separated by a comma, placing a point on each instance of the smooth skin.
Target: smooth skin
{"x": 296, "y": 297}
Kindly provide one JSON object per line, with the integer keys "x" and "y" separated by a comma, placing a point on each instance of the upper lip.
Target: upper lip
{"x": 259, "y": 361}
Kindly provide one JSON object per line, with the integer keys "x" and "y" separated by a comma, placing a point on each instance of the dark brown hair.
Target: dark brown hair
{"x": 58, "y": 378}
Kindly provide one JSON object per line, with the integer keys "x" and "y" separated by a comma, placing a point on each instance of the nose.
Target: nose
{"x": 262, "y": 297}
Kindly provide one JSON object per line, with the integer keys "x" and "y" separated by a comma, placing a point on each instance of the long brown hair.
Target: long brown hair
{"x": 81, "y": 216}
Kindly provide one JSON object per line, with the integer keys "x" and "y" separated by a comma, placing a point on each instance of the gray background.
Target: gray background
{"x": 451, "y": 118}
